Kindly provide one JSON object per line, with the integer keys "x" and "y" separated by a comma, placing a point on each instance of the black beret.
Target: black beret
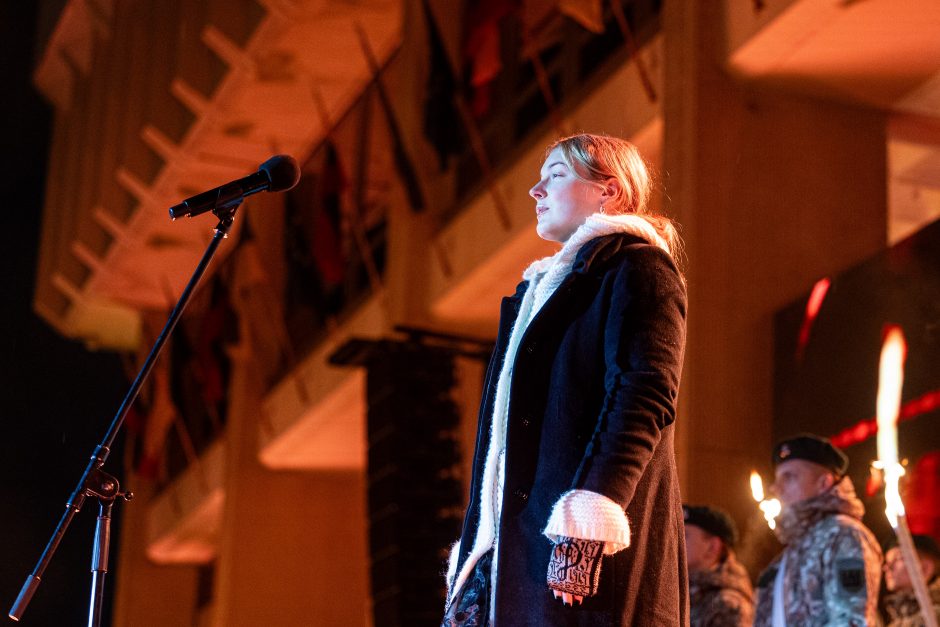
{"x": 814, "y": 449}
{"x": 925, "y": 545}
{"x": 713, "y": 520}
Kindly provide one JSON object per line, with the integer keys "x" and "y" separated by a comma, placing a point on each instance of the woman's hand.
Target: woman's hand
{"x": 568, "y": 599}
{"x": 574, "y": 569}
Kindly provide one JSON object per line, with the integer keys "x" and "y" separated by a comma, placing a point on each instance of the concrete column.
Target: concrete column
{"x": 774, "y": 190}
{"x": 146, "y": 593}
{"x": 293, "y": 543}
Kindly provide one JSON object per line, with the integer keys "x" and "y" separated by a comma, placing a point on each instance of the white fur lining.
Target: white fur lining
{"x": 452, "y": 565}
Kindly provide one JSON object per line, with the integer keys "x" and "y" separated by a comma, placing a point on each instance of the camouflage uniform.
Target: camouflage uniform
{"x": 721, "y": 597}
{"x": 902, "y": 609}
{"x": 833, "y": 563}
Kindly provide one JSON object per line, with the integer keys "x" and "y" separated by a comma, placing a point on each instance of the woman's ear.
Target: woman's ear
{"x": 610, "y": 189}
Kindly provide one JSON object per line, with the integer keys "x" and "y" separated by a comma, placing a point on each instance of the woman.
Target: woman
{"x": 575, "y": 516}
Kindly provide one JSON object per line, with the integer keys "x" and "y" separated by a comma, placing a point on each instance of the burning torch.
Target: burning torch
{"x": 769, "y": 507}
{"x": 890, "y": 379}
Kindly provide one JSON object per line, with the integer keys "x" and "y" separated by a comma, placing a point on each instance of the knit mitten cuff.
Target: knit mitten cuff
{"x": 589, "y": 516}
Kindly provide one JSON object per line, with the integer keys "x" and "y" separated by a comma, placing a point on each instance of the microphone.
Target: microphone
{"x": 277, "y": 174}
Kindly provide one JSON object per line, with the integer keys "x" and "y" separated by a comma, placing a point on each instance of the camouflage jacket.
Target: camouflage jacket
{"x": 833, "y": 564}
{"x": 902, "y": 609}
{"x": 722, "y": 597}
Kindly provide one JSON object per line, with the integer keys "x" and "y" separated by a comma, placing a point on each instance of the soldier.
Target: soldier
{"x": 830, "y": 568}
{"x": 720, "y": 590}
{"x": 900, "y": 604}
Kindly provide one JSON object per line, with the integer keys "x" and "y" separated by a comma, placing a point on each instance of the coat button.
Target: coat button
{"x": 530, "y": 347}
{"x": 526, "y": 422}
{"x": 521, "y": 494}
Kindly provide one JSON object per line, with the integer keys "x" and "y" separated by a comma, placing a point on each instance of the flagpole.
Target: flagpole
{"x": 545, "y": 87}
{"x": 402, "y": 161}
{"x": 634, "y": 50}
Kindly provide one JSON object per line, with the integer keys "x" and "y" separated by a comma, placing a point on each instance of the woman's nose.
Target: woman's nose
{"x": 537, "y": 192}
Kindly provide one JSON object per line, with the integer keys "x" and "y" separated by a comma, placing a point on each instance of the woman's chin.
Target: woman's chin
{"x": 546, "y": 232}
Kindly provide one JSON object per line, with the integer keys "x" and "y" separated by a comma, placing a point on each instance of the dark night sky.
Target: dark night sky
{"x": 57, "y": 398}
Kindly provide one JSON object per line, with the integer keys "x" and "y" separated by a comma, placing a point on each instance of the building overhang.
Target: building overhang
{"x": 300, "y": 67}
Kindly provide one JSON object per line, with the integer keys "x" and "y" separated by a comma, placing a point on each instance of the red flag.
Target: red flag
{"x": 325, "y": 236}
{"x": 313, "y": 241}
{"x": 481, "y": 49}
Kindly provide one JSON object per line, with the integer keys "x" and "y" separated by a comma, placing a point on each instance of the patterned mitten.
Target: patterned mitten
{"x": 575, "y": 566}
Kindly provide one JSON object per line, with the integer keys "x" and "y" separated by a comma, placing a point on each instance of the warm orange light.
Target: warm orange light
{"x": 813, "y": 305}
{"x": 890, "y": 381}
{"x": 769, "y": 507}
{"x": 757, "y": 487}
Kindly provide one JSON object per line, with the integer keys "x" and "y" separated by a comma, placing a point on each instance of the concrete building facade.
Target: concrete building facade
{"x": 791, "y": 139}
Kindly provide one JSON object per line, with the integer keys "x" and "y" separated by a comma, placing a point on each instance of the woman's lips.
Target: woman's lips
{"x": 539, "y": 210}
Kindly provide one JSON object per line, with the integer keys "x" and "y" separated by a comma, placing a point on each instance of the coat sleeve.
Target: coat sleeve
{"x": 644, "y": 341}
{"x": 852, "y": 579}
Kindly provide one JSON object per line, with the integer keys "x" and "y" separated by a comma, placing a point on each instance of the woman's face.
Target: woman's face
{"x": 563, "y": 201}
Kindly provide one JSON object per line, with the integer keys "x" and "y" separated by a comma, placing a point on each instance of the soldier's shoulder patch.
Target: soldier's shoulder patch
{"x": 851, "y": 572}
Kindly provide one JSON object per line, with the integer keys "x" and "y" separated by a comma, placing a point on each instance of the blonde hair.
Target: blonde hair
{"x": 596, "y": 158}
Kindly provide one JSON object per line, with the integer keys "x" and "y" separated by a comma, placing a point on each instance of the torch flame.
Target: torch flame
{"x": 890, "y": 380}
{"x": 757, "y": 486}
{"x": 770, "y": 507}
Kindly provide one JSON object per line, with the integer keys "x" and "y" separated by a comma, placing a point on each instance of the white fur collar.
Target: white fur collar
{"x": 596, "y": 225}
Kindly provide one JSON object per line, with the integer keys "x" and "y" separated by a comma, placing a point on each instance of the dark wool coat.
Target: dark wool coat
{"x": 592, "y": 404}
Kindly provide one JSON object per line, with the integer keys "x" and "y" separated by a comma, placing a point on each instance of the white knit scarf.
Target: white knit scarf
{"x": 544, "y": 277}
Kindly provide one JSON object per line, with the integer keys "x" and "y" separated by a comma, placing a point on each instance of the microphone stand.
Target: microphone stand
{"x": 94, "y": 482}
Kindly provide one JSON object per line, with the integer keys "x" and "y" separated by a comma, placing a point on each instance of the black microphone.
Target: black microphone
{"x": 277, "y": 174}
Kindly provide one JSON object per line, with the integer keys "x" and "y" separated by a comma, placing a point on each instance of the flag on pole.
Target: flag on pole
{"x": 403, "y": 163}
{"x": 441, "y": 118}
{"x": 482, "y": 54}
